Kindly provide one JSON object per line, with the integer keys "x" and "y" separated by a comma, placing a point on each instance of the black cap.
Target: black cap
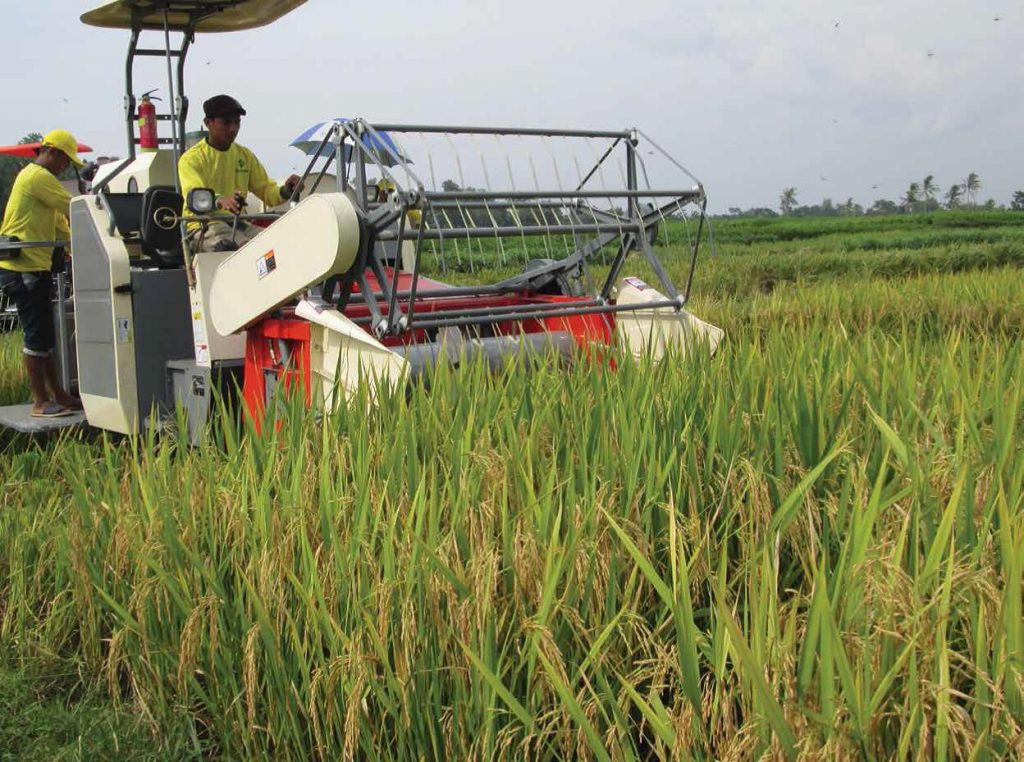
{"x": 222, "y": 105}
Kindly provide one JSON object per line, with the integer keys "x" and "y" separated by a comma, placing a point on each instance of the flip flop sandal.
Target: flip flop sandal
{"x": 51, "y": 410}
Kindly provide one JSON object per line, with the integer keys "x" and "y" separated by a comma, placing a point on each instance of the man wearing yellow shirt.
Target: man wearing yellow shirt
{"x": 37, "y": 210}
{"x": 231, "y": 171}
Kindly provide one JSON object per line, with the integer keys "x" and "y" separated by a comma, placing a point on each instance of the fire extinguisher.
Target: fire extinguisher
{"x": 147, "y": 122}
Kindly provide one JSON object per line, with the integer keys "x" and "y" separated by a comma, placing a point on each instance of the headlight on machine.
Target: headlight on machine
{"x": 201, "y": 201}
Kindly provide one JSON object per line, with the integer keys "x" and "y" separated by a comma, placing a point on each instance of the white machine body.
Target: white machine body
{"x": 655, "y": 332}
{"x": 145, "y": 171}
{"x": 209, "y": 344}
{"x": 344, "y": 357}
{"x": 104, "y": 321}
{"x": 319, "y": 237}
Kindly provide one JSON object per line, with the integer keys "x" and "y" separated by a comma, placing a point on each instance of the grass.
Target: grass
{"x": 13, "y": 386}
{"x": 53, "y": 717}
{"x": 808, "y": 547}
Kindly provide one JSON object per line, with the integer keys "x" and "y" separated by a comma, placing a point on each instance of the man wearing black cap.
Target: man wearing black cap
{"x": 231, "y": 171}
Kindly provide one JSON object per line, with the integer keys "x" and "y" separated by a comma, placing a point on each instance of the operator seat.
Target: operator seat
{"x": 160, "y": 233}
{"x": 149, "y": 219}
{"x": 124, "y": 210}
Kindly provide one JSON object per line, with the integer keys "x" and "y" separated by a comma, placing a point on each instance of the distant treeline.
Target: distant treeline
{"x": 925, "y": 196}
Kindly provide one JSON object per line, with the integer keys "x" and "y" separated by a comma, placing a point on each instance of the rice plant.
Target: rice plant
{"x": 810, "y": 546}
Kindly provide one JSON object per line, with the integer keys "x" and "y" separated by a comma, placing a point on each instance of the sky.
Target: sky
{"x": 837, "y": 99}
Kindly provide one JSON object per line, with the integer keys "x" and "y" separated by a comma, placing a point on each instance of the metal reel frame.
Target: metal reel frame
{"x": 398, "y": 312}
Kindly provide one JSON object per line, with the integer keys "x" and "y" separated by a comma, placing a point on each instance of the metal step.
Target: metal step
{"x": 19, "y": 418}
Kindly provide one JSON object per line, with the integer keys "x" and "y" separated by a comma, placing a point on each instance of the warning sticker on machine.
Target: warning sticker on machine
{"x": 266, "y": 265}
{"x": 636, "y": 283}
{"x": 202, "y": 353}
{"x": 198, "y": 331}
{"x": 124, "y": 330}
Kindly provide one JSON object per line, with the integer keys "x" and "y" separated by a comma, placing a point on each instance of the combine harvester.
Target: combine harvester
{"x": 335, "y": 292}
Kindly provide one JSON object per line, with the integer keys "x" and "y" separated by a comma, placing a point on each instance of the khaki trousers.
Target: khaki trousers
{"x": 219, "y": 234}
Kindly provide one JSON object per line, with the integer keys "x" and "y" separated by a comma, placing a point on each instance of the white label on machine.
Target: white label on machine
{"x": 124, "y": 330}
{"x": 202, "y": 353}
{"x": 266, "y": 265}
{"x": 198, "y": 331}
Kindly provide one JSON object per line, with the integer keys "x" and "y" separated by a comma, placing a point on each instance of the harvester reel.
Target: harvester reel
{"x": 548, "y": 203}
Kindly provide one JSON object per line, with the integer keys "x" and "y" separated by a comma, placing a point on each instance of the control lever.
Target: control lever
{"x": 240, "y": 200}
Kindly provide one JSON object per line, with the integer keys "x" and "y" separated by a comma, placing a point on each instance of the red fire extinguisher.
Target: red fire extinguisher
{"x": 147, "y": 122}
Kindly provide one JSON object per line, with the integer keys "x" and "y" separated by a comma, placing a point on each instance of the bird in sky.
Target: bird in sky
{"x": 931, "y": 54}
{"x": 998, "y": 18}
{"x": 874, "y": 187}
{"x": 835, "y": 25}
{"x": 822, "y": 178}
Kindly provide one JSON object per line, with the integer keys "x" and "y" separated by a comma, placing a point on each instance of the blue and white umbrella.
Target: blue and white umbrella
{"x": 309, "y": 141}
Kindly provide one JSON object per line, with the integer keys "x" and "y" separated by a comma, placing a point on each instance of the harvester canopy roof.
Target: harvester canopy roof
{"x": 206, "y": 15}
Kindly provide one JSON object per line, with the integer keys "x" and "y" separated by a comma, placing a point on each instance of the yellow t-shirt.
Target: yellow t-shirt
{"x": 37, "y": 210}
{"x": 225, "y": 172}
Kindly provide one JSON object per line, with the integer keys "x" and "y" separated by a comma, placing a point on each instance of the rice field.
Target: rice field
{"x": 810, "y": 546}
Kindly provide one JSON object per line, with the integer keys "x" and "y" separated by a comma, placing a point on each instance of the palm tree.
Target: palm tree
{"x": 953, "y": 196}
{"x": 910, "y": 197}
{"x": 1017, "y": 204}
{"x": 929, "y": 188}
{"x": 787, "y": 200}
{"x": 972, "y": 184}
